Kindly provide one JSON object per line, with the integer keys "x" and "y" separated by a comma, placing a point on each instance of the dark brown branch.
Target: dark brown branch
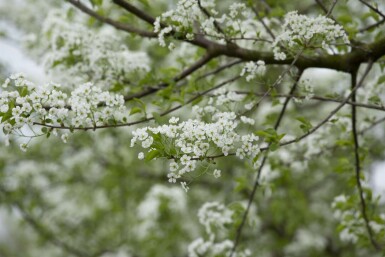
{"x": 115, "y": 24}
{"x": 135, "y": 11}
{"x": 343, "y": 62}
{"x": 358, "y": 166}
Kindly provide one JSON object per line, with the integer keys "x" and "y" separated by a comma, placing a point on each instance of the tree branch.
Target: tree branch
{"x": 135, "y": 11}
{"x": 115, "y": 24}
{"x": 143, "y": 120}
{"x": 358, "y": 166}
{"x": 374, "y": 9}
{"x": 45, "y": 233}
{"x": 319, "y": 98}
{"x": 372, "y": 26}
{"x": 377, "y": 122}
{"x": 195, "y": 66}
{"x": 208, "y": 15}
{"x": 342, "y": 62}
{"x": 259, "y": 172}
{"x": 260, "y": 19}
{"x": 314, "y": 129}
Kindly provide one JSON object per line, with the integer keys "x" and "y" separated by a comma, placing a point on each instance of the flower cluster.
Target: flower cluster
{"x": 158, "y": 199}
{"x": 302, "y": 31}
{"x": 352, "y": 224}
{"x": 253, "y": 69}
{"x": 305, "y": 240}
{"x": 183, "y": 21}
{"x": 214, "y": 215}
{"x": 306, "y": 89}
{"x": 48, "y": 105}
{"x": 212, "y": 132}
{"x": 80, "y": 54}
{"x": 186, "y": 12}
{"x": 191, "y": 140}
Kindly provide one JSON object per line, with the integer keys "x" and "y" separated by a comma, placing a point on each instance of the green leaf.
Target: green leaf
{"x": 197, "y": 101}
{"x": 381, "y": 79}
{"x": 96, "y": 2}
{"x": 23, "y": 91}
{"x": 305, "y": 124}
{"x": 135, "y": 110}
{"x": 142, "y": 105}
{"x": 158, "y": 118}
{"x": 375, "y": 99}
{"x": 152, "y": 154}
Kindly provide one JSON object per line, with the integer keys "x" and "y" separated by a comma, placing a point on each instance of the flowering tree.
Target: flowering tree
{"x": 195, "y": 128}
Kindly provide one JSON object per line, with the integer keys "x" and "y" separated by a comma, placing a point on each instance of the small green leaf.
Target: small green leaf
{"x": 381, "y": 79}
{"x": 153, "y": 154}
{"x": 135, "y": 110}
{"x": 96, "y": 2}
{"x": 305, "y": 124}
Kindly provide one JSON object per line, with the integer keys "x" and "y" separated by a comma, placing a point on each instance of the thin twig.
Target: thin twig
{"x": 315, "y": 97}
{"x": 208, "y": 15}
{"x": 116, "y": 24}
{"x": 314, "y": 129}
{"x": 268, "y": 30}
{"x": 44, "y": 232}
{"x": 259, "y": 172}
{"x": 143, "y": 120}
{"x": 331, "y": 8}
{"x": 322, "y": 6}
{"x": 374, "y": 9}
{"x": 195, "y": 66}
{"x": 358, "y": 166}
{"x": 377, "y": 122}
{"x": 135, "y": 11}
{"x": 219, "y": 69}
{"x": 277, "y": 81}
{"x": 372, "y": 26}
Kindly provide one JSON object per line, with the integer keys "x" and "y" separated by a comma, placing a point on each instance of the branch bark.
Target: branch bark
{"x": 118, "y": 25}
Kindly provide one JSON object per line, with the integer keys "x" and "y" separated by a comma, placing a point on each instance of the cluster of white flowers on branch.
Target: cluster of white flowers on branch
{"x": 213, "y": 132}
{"x": 214, "y": 217}
{"x": 193, "y": 17}
{"x": 193, "y": 140}
{"x": 300, "y": 31}
{"x": 86, "y": 107}
{"x": 352, "y": 223}
{"x": 89, "y": 55}
{"x": 157, "y": 198}
{"x": 253, "y": 70}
